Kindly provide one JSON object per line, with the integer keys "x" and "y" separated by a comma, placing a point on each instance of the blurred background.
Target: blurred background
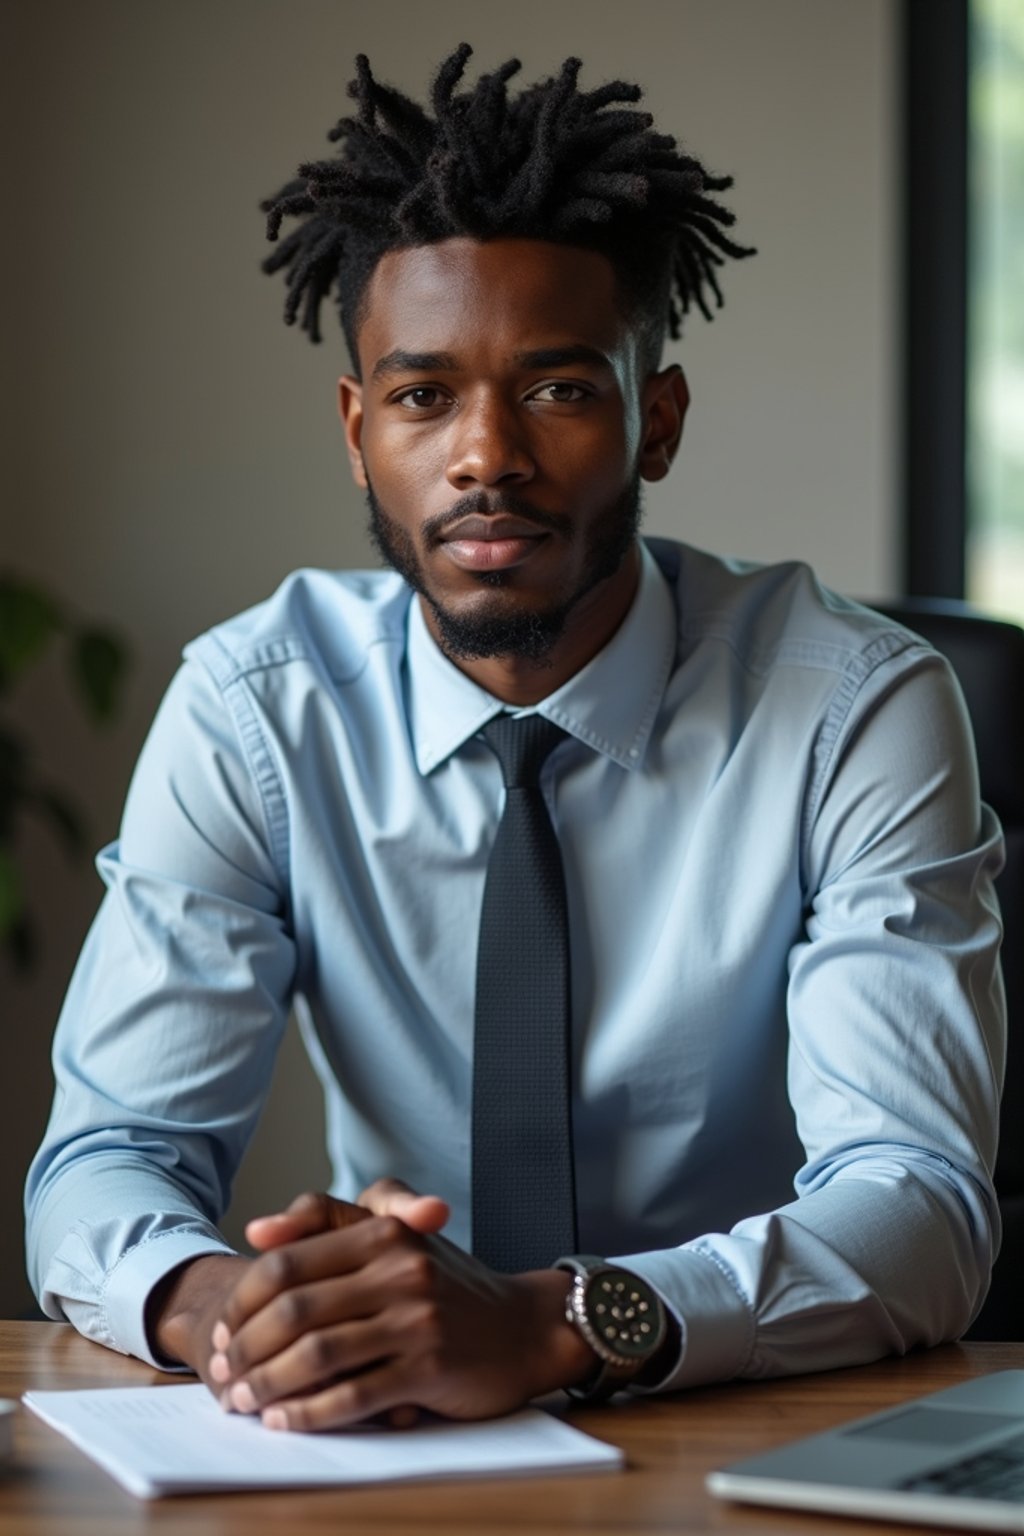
{"x": 170, "y": 450}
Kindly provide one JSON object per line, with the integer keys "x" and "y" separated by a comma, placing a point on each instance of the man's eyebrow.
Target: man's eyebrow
{"x": 537, "y": 360}
{"x": 413, "y": 362}
{"x": 564, "y": 357}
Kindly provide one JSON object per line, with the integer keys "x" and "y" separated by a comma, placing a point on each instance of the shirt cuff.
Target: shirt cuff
{"x": 716, "y": 1326}
{"x": 136, "y": 1274}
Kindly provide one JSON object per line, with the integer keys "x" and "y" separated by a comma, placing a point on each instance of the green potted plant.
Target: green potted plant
{"x": 31, "y": 623}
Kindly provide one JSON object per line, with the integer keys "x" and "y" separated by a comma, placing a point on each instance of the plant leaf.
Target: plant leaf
{"x": 28, "y": 622}
{"x": 99, "y": 662}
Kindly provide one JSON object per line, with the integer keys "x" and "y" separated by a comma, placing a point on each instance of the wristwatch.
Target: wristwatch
{"x": 621, "y": 1317}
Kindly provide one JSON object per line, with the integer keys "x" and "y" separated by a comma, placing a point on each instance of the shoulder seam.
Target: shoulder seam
{"x": 278, "y": 652}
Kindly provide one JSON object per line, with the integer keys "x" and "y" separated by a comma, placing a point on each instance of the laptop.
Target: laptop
{"x": 951, "y": 1458}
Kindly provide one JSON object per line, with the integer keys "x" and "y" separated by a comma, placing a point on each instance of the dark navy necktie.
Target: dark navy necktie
{"x": 524, "y": 1206}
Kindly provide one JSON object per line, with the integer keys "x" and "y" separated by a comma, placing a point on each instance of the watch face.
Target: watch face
{"x": 624, "y": 1313}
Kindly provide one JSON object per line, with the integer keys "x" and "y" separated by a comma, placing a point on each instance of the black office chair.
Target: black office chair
{"x": 988, "y": 658}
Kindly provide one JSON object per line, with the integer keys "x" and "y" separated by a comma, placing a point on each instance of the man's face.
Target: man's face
{"x": 501, "y": 431}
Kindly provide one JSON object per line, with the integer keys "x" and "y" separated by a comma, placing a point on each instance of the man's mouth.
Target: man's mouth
{"x": 495, "y": 543}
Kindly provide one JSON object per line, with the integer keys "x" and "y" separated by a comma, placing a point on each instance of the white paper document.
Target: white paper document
{"x": 162, "y": 1440}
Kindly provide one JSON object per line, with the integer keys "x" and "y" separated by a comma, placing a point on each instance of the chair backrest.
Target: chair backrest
{"x": 987, "y": 656}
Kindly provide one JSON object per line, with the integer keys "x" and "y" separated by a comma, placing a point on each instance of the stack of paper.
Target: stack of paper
{"x": 160, "y": 1440}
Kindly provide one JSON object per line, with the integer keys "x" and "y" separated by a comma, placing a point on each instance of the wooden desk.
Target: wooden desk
{"x": 670, "y": 1443}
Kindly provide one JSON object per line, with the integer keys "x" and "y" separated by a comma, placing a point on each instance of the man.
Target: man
{"x": 777, "y": 876}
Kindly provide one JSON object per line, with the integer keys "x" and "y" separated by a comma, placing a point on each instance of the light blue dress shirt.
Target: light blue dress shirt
{"x": 788, "y": 1019}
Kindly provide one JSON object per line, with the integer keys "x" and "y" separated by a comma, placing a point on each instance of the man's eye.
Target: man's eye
{"x": 561, "y": 392}
{"x": 421, "y": 398}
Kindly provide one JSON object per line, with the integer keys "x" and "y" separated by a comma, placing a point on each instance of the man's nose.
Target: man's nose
{"x": 489, "y": 445}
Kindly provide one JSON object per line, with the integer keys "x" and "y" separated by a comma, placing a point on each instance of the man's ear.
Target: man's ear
{"x": 350, "y": 409}
{"x": 665, "y": 398}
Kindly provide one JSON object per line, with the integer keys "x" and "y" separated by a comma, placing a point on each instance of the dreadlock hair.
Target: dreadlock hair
{"x": 552, "y": 163}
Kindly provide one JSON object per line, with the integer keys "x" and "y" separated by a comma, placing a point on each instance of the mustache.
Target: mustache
{"x": 490, "y": 504}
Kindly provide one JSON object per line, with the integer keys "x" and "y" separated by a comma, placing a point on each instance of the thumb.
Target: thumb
{"x": 390, "y": 1197}
{"x": 307, "y": 1215}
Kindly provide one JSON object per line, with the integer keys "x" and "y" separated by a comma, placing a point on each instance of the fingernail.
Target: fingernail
{"x": 221, "y": 1336}
{"x": 225, "y": 1401}
{"x": 220, "y": 1367}
{"x": 274, "y": 1418}
{"x": 242, "y": 1397}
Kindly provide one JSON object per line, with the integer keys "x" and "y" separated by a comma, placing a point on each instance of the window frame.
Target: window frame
{"x": 934, "y": 291}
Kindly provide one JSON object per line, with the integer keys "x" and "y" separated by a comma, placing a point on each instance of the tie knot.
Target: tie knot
{"x": 522, "y": 746}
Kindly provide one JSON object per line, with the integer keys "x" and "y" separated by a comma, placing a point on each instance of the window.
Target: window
{"x": 995, "y": 331}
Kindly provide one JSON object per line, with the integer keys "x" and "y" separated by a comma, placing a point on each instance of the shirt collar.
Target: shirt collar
{"x": 610, "y": 704}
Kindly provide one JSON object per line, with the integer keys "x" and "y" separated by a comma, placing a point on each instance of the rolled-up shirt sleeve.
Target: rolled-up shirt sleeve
{"x": 165, "y": 1046}
{"x": 896, "y": 1056}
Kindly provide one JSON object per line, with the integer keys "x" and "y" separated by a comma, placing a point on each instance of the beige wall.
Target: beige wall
{"x": 171, "y": 450}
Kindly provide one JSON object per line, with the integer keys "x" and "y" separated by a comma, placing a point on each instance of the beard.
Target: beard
{"x": 506, "y": 627}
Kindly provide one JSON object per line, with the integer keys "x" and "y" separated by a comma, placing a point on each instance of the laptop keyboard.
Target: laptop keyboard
{"x": 992, "y": 1474}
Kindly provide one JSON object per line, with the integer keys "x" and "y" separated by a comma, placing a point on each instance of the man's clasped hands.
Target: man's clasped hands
{"x": 354, "y": 1311}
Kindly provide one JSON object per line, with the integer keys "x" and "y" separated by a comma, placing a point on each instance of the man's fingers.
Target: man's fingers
{"x": 270, "y": 1361}
{"x": 289, "y": 1267}
{"x": 390, "y": 1197}
{"x": 346, "y": 1402}
{"x": 287, "y": 1271}
{"x": 312, "y": 1363}
{"x": 311, "y": 1213}
{"x": 294, "y": 1256}
{"x": 307, "y": 1215}
{"x": 288, "y": 1318}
